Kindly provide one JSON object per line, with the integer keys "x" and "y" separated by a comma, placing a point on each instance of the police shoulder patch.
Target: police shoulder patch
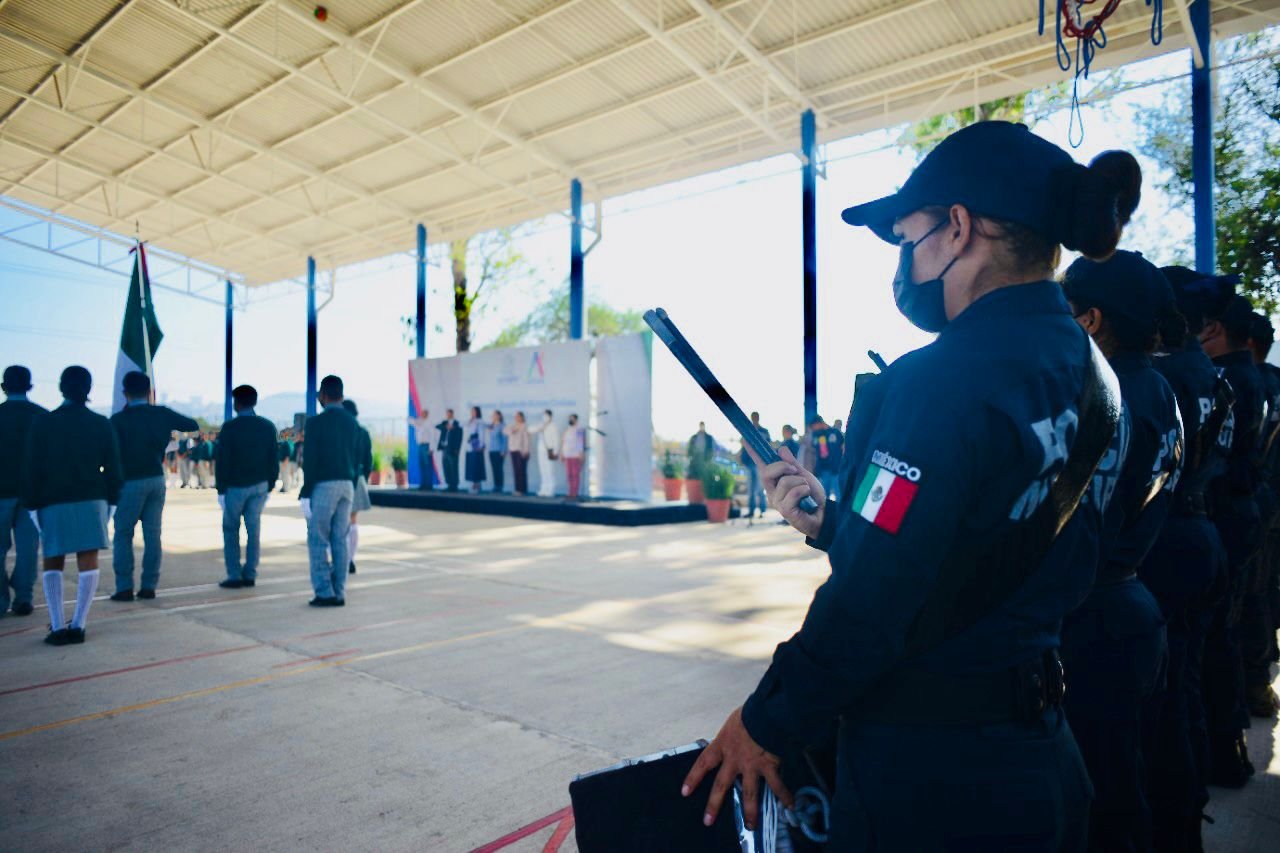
{"x": 886, "y": 491}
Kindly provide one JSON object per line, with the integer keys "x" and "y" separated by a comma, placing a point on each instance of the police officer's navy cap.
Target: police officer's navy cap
{"x": 1200, "y": 295}
{"x": 17, "y": 379}
{"x": 1126, "y": 284}
{"x": 994, "y": 168}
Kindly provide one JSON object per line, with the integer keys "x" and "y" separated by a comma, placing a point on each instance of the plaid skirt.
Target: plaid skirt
{"x": 360, "y": 502}
{"x": 73, "y": 527}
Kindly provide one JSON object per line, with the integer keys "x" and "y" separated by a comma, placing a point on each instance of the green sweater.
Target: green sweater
{"x": 247, "y": 453}
{"x": 143, "y": 431}
{"x": 333, "y": 449}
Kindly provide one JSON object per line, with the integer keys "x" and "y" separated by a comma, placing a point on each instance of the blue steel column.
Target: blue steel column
{"x": 577, "y": 313}
{"x": 420, "y": 336}
{"x": 1202, "y": 165}
{"x": 311, "y": 336}
{"x": 226, "y": 405}
{"x": 809, "y": 239}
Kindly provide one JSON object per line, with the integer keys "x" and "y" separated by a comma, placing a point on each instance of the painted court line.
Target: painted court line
{"x": 510, "y": 838}
{"x": 329, "y": 656}
{"x": 249, "y": 682}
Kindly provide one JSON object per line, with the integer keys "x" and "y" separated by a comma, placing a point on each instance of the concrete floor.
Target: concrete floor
{"x": 479, "y": 665}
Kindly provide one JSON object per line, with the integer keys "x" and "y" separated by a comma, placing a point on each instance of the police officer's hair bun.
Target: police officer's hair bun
{"x": 1099, "y": 201}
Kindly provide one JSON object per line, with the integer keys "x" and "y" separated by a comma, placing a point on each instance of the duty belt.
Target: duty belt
{"x": 1190, "y": 504}
{"x": 917, "y": 698}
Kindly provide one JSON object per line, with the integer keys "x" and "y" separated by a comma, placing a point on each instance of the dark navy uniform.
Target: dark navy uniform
{"x": 1185, "y": 570}
{"x": 1258, "y": 619}
{"x": 1114, "y": 646}
{"x": 1235, "y": 512}
{"x": 959, "y": 442}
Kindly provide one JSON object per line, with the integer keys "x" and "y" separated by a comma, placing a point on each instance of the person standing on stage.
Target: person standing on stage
{"x": 574, "y": 450}
{"x": 475, "y": 450}
{"x": 142, "y": 431}
{"x": 548, "y": 451}
{"x": 70, "y": 484}
{"x": 426, "y": 464}
{"x": 360, "y": 500}
{"x": 450, "y": 446}
{"x": 496, "y": 440}
{"x": 518, "y": 444}
{"x": 248, "y": 462}
{"x": 16, "y": 417}
{"x": 329, "y": 469}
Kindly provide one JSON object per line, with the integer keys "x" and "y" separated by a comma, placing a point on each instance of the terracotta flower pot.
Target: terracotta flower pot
{"x": 672, "y": 488}
{"x": 375, "y": 478}
{"x": 402, "y": 479}
{"x": 718, "y": 510}
{"x": 693, "y": 488}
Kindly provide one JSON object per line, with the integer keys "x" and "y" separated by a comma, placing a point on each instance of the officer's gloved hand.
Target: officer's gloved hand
{"x": 787, "y": 482}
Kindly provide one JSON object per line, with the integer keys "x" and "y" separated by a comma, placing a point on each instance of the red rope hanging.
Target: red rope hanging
{"x": 1074, "y": 23}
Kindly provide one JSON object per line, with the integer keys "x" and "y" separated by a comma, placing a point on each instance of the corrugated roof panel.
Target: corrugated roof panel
{"x": 62, "y": 26}
{"x": 410, "y": 108}
{"x": 283, "y": 112}
{"x": 430, "y": 32}
{"x": 167, "y": 42}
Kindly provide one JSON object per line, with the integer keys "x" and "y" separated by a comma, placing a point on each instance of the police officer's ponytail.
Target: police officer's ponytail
{"x": 1098, "y": 201}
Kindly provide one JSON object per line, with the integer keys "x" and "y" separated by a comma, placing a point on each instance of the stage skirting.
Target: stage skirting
{"x": 618, "y": 513}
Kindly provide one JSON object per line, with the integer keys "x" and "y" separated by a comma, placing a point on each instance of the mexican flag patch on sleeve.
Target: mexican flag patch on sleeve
{"x": 884, "y": 497}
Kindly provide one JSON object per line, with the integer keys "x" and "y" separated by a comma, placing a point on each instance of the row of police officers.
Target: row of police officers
{"x": 1052, "y": 600}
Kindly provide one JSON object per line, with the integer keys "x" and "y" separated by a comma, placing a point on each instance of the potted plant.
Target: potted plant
{"x": 375, "y": 476}
{"x": 400, "y": 465}
{"x": 672, "y": 477}
{"x": 693, "y": 479}
{"x": 718, "y": 484}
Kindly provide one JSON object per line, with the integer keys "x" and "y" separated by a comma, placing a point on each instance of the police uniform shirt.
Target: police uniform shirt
{"x": 1192, "y": 377}
{"x": 16, "y": 417}
{"x": 1152, "y": 461}
{"x": 950, "y": 446}
{"x": 143, "y": 431}
{"x": 1244, "y": 426}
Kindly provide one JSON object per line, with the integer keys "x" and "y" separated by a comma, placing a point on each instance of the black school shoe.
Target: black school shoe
{"x": 339, "y": 602}
{"x": 318, "y": 601}
{"x": 57, "y": 638}
{"x": 23, "y": 609}
{"x": 230, "y": 584}
{"x": 248, "y": 583}
{"x": 75, "y": 636}
{"x": 123, "y": 595}
{"x": 147, "y": 594}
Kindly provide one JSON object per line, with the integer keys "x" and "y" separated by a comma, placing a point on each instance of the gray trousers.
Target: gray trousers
{"x": 243, "y": 502}
{"x": 327, "y": 534}
{"x": 16, "y": 523}
{"x": 140, "y": 500}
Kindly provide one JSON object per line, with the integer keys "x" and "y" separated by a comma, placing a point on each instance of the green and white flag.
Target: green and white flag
{"x": 140, "y": 337}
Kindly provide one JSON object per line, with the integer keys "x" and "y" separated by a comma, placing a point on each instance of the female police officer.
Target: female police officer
{"x": 1113, "y": 646}
{"x": 932, "y": 640}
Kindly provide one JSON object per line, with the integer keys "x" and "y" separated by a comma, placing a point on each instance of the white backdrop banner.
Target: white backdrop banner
{"x": 624, "y": 388}
{"x": 527, "y": 379}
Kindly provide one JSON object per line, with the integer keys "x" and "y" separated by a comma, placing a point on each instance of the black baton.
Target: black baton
{"x": 692, "y": 362}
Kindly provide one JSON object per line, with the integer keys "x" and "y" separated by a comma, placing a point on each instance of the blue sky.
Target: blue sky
{"x": 721, "y": 253}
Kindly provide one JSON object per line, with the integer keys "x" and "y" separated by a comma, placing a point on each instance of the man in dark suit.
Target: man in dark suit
{"x": 142, "y": 431}
{"x": 329, "y": 469}
{"x": 450, "y": 447}
{"x": 16, "y": 415}
{"x": 247, "y": 465}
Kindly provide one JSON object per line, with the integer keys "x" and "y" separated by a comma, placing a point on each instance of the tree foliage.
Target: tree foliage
{"x": 1027, "y": 108}
{"x": 549, "y": 323}
{"x": 1247, "y": 162}
{"x": 480, "y": 266}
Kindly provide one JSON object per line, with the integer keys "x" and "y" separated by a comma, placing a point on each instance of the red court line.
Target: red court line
{"x": 525, "y": 831}
{"x": 562, "y": 832}
{"x": 19, "y": 631}
{"x": 314, "y": 659}
{"x": 151, "y": 665}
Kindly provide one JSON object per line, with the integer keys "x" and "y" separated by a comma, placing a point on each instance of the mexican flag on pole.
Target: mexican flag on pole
{"x": 140, "y": 337}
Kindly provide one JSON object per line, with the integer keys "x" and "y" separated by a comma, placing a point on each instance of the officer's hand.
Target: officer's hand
{"x": 736, "y": 754}
{"x": 787, "y": 483}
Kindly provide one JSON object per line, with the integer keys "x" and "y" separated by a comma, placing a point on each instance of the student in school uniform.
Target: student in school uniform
{"x": 17, "y": 414}
{"x": 360, "y": 500}
{"x": 71, "y": 481}
{"x": 329, "y": 469}
{"x": 247, "y": 465}
{"x": 142, "y": 431}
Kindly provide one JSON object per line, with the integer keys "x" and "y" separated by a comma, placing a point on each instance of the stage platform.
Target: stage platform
{"x": 610, "y": 511}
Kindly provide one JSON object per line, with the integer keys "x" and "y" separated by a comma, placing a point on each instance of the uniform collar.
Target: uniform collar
{"x": 22, "y": 397}
{"x": 1126, "y": 362}
{"x": 246, "y": 413}
{"x": 1234, "y": 359}
{"x": 1018, "y": 300}
{"x": 132, "y": 403}
{"x": 333, "y": 406}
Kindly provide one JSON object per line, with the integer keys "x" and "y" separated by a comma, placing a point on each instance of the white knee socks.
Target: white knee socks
{"x": 85, "y": 588}
{"x": 53, "y": 595}
{"x": 353, "y": 540}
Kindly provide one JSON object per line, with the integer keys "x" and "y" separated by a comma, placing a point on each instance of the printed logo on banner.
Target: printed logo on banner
{"x": 537, "y": 374}
{"x": 507, "y": 375}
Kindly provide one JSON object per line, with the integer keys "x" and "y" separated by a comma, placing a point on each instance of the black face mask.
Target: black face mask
{"x": 923, "y": 304}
